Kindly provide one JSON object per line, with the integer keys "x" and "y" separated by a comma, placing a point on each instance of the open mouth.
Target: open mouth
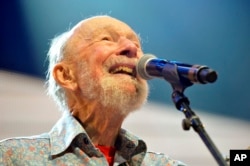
{"x": 123, "y": 69}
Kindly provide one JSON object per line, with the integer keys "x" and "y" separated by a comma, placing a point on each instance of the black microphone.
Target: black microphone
{"x": 149, "y": 66}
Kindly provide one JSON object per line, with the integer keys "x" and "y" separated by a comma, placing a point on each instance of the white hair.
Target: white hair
{"x": 55, "y": 55}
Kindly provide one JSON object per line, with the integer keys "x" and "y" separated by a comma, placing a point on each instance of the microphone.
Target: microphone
{"x": 149, "y": 66}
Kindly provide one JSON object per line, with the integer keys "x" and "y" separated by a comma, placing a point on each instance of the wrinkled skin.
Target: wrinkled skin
{"x": 98, "y": 76}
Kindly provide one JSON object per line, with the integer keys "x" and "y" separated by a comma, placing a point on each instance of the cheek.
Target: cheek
{"x": 94, "y": 63}
{"x": 97, "y": 63}
{"x": 98, "y": 56}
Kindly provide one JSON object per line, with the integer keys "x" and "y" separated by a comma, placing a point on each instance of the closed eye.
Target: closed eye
{"x": 106, "y": 38}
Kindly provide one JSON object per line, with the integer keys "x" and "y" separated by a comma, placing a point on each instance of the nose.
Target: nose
{"x": 127, "y": 48}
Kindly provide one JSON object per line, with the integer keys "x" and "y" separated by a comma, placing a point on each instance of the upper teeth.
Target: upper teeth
{"x": 122, "y": 68}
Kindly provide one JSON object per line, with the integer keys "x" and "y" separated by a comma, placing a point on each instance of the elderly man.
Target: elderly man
{"x": 92, "y": 78}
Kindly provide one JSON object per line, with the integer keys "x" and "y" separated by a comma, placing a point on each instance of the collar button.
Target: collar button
{"x": 86, "y": 140}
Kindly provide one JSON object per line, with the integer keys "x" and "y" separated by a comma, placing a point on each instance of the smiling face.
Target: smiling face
{"x": 104, "y": 52}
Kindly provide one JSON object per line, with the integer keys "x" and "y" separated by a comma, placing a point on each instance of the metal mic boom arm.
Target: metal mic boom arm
{"x": 182, "y": 104}
{"x": 179, "y": 84}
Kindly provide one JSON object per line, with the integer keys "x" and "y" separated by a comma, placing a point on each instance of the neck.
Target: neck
{"x": 101, "y": 124}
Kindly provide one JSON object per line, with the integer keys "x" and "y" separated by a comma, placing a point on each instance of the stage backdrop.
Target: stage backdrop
{"x": 213, "y": 33}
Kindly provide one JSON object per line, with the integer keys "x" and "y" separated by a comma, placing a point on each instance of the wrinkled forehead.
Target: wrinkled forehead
{"x": 94, "y": 26}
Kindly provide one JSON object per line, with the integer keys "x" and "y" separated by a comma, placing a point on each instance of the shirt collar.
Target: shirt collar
{"x": 63, "y": 133}
{"x": 68, "y": 128}
{"x": 129, "y": 145}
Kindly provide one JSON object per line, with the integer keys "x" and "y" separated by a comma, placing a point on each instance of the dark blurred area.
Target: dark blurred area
{"x": 212, "y": 33}
{"x": 16, "y": 47}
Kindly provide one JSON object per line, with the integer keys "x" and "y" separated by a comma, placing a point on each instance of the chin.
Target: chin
{"x": 124, "y": 95}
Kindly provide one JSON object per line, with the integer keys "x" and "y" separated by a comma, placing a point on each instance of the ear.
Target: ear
{"x": 64, "y": 76}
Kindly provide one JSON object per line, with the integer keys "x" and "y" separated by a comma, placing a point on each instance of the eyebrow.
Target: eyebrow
{"x": 133, "y": 35}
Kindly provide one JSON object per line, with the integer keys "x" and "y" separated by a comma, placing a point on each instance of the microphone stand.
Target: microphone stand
{"x": 193, "y": 120}
{"x": 182, "y": 103}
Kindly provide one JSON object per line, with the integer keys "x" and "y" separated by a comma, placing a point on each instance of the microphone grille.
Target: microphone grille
{"x": 142, "y": 64}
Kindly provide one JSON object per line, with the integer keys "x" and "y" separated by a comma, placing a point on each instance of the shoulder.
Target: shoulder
{"x": 22, "y": 141}
{"x": 21, "y": 146}
{"x": 161, "y": 159}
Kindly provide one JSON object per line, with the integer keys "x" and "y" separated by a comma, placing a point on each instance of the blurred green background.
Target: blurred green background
{"x": 215, "y": 33}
